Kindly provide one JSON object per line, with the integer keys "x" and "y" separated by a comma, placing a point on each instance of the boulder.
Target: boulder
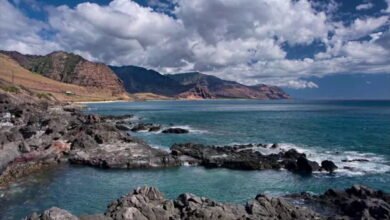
{"x": 328, "y": 166}
{"x": 306, "y": 166}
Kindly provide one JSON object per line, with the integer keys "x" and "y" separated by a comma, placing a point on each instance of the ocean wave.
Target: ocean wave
{"x": 350, "y": 163}
{"x": 187, "y": 127}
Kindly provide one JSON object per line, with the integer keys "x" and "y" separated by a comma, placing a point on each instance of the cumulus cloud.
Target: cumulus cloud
{"x": 239, "y": 40}
{"x": 20, "y": 33}
{"x": 364, "y": 6}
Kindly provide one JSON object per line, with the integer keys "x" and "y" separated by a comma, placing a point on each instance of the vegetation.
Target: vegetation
{"x": 41, "y": 65}
{"x": 43, "y": 95}
{"x": 70, "y": 64}
{"x": 12, "y": 89}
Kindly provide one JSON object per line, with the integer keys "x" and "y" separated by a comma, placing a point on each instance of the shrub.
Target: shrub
{"x": 12, "y": 89}
{"x": 44, "y": 96}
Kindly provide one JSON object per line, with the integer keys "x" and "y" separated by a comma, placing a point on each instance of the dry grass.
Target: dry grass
{"x": 13, "y": 73}
{"x": 149, "y": 96}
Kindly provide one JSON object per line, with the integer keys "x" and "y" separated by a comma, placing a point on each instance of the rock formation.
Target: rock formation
{"x": 144, "y": 203}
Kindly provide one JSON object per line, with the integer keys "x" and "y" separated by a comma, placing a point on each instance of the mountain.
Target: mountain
{"x": 137, "y": 79}
{"x": 70, "y": 68}
{"x": 192, "y": 85}
{"x": 215, "y": 87}
{"x": 73, "y": 69}
{"x": 18, "y": 80}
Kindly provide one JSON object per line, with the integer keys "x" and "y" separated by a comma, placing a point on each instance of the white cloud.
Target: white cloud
{"x": 364, "y": 6}
{"x": 388, "y": 6}
{"x": 21, "y": 33}
{"x": 235, "y": 39}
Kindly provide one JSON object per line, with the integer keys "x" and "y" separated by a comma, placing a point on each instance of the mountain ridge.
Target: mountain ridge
{"x": 193, "y": 85}
{"x": 74, "y": 69}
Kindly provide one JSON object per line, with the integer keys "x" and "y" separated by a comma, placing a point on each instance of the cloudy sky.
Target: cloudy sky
{"x": 287, "y": 43}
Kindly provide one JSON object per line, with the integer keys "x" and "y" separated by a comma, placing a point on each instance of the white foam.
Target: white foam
{"x": 375, "y": 164}
{"x": 160, "y": 147}
{"x": 187, "y": 127}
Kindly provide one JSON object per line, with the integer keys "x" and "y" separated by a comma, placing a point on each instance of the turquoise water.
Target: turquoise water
{"x": 336, "y": 130}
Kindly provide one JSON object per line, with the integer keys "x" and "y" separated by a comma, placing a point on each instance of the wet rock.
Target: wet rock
{"x": 328, "y": 166}
{"x": 175, "y": 131}
{"x": 122, "y": 127}
{"x": 292, "y": 154}
{"x": 355, "y": 160}
{"x": 236, "y": 157}
{"x": 146, "y": 127}
{"x": 357, "y": 202}
{"x": 306, "y": 166}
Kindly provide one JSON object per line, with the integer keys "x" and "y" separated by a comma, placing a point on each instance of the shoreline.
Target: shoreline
{"x": 68, "y": 136}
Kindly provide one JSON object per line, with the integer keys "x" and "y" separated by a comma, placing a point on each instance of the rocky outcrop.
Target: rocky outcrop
{"x": 39, "y": 135}
{"x": 247, "y": 157}
{"x": 149, "y": 203}
{"x": 357, "y": 202}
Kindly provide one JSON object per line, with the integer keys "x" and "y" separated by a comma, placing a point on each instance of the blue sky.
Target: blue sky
{"x": 309, "y": 47}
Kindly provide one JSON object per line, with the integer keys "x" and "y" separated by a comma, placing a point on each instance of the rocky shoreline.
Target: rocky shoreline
{"x": 36, "y": 135}
{"x": 357, "y": 202}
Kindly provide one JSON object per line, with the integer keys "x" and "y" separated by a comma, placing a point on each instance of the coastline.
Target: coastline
{"x": 103, "y": 142}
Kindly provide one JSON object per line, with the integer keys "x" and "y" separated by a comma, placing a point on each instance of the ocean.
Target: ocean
{"x": 337, "y": 130}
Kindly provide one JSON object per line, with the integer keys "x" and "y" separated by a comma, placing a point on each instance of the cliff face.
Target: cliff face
{"x": 218, "y": 88}
{"x": 71, "y": 68}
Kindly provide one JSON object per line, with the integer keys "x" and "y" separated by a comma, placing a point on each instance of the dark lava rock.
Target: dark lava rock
{"x": 306, "y": 166}
{"x": 357, "y": 202}
{"x": 122, "y": 127}
{"x": 175, "y": 131}
{"x": 328, "y": 166}
{"x": 146, "y": 127}
{"x": 236, "y": 157}
{"x": 355, "y": 160}
{"x": 147, "y": 203}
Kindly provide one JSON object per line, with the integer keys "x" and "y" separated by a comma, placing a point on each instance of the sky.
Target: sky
{"x": 308, "y": 47}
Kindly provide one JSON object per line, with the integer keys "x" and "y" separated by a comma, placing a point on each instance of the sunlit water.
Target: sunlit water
{"x": 336, "y": 130}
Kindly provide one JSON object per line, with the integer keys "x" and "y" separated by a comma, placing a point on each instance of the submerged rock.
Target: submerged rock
{"x": 175, "y": 131}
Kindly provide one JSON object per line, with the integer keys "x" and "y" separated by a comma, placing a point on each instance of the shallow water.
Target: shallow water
{"x": 336, "y": 130}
